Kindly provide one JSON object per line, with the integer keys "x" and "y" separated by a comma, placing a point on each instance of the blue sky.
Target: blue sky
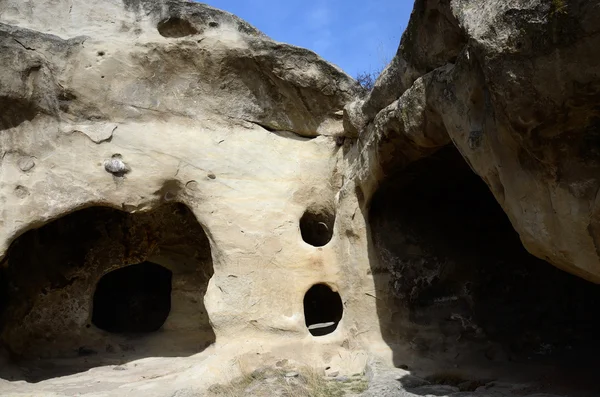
{"x": 356, "y": 35}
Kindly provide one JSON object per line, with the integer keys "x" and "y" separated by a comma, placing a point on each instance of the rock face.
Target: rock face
{"x": 168, "y": 180}
{"x": 184, "y": 200}
{"x": 515, "y": 88}
{"x": 510, "y": 92}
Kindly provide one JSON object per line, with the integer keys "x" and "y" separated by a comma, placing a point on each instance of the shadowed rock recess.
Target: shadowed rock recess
{"x": 189, "y": 208}
{"x": 107, "y": 284}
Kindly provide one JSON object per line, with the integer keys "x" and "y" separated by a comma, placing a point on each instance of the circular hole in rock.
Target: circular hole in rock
{"x": 133, "y": 299}
{"x": 316, "y": 226}
{"x": 176, "y": 27}
{"x": 323, "y": 309}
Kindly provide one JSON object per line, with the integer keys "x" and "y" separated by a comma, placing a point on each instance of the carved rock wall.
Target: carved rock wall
{"x": 176, "y": 137}
{"x": 183, "y": 199}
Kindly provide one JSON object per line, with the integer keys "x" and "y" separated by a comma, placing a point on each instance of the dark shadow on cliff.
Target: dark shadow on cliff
{"x": 104, "y": 287}
{"x": 459, "y": 298}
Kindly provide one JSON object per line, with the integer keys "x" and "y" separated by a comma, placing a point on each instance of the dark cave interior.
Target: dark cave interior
{"x": 323, "y": 309}
{"x": 133, "y": 299}
{"x": 100, "y": 284}
{"x": 463, "y": 285}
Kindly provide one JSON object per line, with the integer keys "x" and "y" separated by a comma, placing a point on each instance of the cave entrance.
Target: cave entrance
{"x": 464, "y": 291}
{"x": 134, "y": 299}
{"x": 95, "y": 285}
{"x": 323, "y": 309}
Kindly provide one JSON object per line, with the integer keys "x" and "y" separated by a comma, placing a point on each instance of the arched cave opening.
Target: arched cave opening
{"x": 465, "y": 292}
{"x": 316, "y": 226}
{"x": 323, "y": 309}
{"x": 133, "y": 299}
{"x": 96, "y": 284}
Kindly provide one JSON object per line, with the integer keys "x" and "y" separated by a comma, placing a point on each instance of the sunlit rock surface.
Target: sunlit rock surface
{"x": 190, "y": 208}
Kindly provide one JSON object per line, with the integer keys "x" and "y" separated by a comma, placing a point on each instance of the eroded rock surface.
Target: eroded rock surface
{"x": 184, "y": 201}
{"x": 510, "y": 92}
{"x": 515, "y": 88}
{"x": 168, "y": 180}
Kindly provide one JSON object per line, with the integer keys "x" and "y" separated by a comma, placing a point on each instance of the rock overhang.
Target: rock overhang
{"x": 138, "y": 105}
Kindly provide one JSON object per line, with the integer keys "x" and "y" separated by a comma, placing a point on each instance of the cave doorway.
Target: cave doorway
{"x": 133, "y": 299}
{"x": 323, "y": 309}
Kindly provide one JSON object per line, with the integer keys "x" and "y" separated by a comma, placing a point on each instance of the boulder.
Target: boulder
{"x": 515, "y": 88}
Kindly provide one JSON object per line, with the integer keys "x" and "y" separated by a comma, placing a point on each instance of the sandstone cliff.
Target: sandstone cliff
{"x": 185, "y": 202}
{"x": 515, "y": 88}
